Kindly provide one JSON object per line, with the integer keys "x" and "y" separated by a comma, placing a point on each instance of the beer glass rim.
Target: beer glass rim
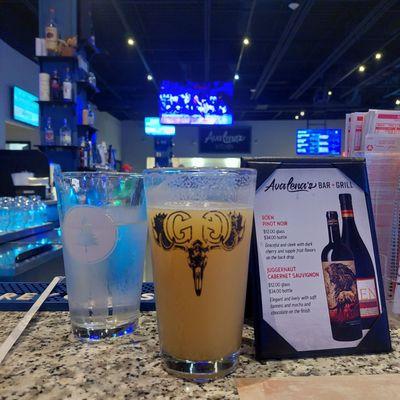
{"x": 201, "y": 170}
{"x": 115, "y": 174}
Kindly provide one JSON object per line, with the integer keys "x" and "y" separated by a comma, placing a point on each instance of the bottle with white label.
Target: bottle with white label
{"x": 366, "y": 280}
{"x": 65, "y": 134}
{"x": 44, "y": 86}
{"x": 103, "y": 153}
{"x": 51, "y": 34}
{"x": 67, "y": 86}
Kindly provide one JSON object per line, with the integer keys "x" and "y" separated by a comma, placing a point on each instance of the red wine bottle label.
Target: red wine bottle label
{"x": 341, "y": 291}
{"x": 367, "y": 294}
{"x": 49, "y": 136}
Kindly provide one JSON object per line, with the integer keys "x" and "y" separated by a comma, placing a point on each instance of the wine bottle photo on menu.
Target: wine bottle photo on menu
{"x": 340, "y": 284}
{"x": 366, "y": 279}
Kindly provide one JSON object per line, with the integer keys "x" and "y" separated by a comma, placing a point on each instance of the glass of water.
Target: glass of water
{"x": 103, "y": 222}
{"x": 19, "y": 213}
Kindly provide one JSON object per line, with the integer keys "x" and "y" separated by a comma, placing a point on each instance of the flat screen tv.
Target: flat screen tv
{"x": 153, "y": 127}
{"x": 196, "y": 103}
{"x": 319, "y": 142}
{"x": 25, "y": 107}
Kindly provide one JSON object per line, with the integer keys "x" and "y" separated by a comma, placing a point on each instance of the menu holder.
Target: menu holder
{"x": 315, "y": 281}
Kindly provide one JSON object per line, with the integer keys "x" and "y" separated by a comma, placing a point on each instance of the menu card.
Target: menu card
{"x": 314, "y": 271}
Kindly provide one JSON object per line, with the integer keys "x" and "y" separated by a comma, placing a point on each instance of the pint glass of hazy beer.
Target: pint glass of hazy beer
{"x": 200, "y": 223}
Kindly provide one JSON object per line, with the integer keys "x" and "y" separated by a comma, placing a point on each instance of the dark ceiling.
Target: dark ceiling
{"x": 294, "y": 58}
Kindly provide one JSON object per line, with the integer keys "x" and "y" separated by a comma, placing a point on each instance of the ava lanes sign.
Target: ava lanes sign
{"x": 225, "y": 140}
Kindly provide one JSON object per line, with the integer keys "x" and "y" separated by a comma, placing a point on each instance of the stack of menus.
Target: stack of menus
{"x": 376, "y": 135}
{"x": 315, "y": 279}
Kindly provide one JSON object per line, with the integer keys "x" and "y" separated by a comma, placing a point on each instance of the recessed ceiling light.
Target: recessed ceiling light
{"x": 293, "y": 5}
{"x": 149, "y": 77}
{"x": 296, "y": 117}
{"x": 378, "y": 56}
{"x": 236, "y": 77}
{"x": 246, "y": 41}
{"x": 330, "y": 93}
{"x": 361, "y": 68}
{"x": 130, "y": 41}
{"x": 397, "y": 102}
{"x": 253, "y": 90}
{"x": 302, "y": 113}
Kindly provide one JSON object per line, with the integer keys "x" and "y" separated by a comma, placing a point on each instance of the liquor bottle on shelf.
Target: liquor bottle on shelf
{"x": 366, "y": 280}
{"x": 92, "y": 37}
{"x": 67, "y": 86}
{"x": 49, "y": 133}
{"x": 87, "y": 151}
{"x": 51, "y": 33}
{"x": 92, "y": 79}
{"x": 55, "y": 87}
{"x": 340, "y": 285}
{"x": 111, "y": 157}
{"x": 83, "y": 157}
{"x": 109, "y": 154}
{"x": 90, "y": 157}
{"x": 90, "y": 118}
{"x": 65, "y": 134}
{"x": 85, "y": 113}
{"x": 96, "y": 155}
{"x": 102, "y": 149}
